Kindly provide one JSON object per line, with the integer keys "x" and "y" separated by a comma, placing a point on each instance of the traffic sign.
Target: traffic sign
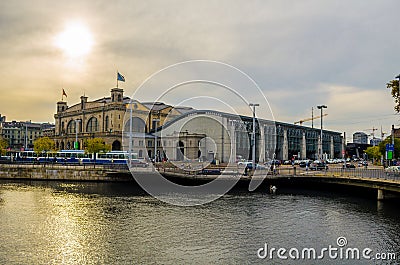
{"x": 390, "y": 147}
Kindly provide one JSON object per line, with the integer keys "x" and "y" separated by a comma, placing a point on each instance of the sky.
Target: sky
{"x": 300, "y": 53}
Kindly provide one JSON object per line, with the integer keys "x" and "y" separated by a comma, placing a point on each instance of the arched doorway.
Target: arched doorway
{"x": 180, "y": 151}
{"x": 116, "y": 145}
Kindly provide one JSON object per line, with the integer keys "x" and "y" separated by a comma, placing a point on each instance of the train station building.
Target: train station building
{"x": 184, "y": 133}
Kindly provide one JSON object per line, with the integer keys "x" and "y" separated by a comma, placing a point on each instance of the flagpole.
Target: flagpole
{"x": 117, "y": 78}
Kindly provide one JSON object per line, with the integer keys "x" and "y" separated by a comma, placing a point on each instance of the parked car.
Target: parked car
{"x": 258, "y": 166}
{"x": 349, "y": 165}
{"x": 318, "y": 166}
{"x": 304, "y": 163}
{"x": 275, "y": 162}
{"x": 393, "y": 169}
{"x": 244, "y": 163}
{"x": 363, "y": 163}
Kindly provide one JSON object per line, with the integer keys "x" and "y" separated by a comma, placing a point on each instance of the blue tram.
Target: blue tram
{"x": 73, "y": 156}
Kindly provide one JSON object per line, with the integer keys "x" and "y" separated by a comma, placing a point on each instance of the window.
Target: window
{"x": 71, "y": 126}
{"x": 149, "y": 144}
{"x": 106, "y": 124}
{"x": 138, "y": 125}
{"x": 92, "y": 125}
{"x": 141, "y": 153}
{"x": 140, "y": 142}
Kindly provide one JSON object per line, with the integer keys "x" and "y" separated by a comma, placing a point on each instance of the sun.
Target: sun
{"x": 75, "y": 41}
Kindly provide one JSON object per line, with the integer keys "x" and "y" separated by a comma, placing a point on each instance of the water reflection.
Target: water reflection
{"x": 104, "y": 223}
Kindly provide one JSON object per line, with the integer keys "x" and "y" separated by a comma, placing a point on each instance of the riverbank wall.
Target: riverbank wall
{"x": 62, "y": 173}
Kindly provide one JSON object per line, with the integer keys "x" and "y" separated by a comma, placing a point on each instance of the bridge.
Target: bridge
{"x": 377, "y": 178}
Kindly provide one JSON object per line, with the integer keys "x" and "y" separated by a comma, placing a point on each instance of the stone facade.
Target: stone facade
{"x": 105, "y": 118}
{"x": 184, "y": 133}
{"x": 22, "y": 134}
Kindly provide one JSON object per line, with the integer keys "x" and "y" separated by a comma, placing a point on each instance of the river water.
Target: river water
{"x": 110, "y": 223}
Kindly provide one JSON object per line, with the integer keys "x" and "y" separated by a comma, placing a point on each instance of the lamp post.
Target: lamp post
{"x": 26, "y": 135}
{"x": 130, "y": 134}
{"x": 76, "y": 133}
{"x": 321, "y": 107}
{"x": 155, "y": 139}
{"x": 253, "y": 136}
{"x": 392, "y": 132}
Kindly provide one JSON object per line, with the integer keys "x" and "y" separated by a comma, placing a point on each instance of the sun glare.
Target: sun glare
{"x": 75, "y": 41}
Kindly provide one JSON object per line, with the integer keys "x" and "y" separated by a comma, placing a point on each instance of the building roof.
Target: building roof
{"x": 20, "y": 124}
{"x": 156, "y": 106}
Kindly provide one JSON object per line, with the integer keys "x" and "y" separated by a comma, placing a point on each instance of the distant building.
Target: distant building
{"x": 20, "y": 134}
{"x": 396, "y": 132}
{"x": 375, "y": 141}
{"x": 360, "y": 138}
{"x": 356, "y": 149}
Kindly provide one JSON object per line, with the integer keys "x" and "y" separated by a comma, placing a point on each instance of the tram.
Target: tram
{"x": 72, "y": 156}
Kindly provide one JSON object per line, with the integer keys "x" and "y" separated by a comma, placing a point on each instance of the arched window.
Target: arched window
{"x": 119, "y": 98}
{"x": 138, "y": 125}
{"x": 71, "y": 127}
{"x": 92, "y": 125}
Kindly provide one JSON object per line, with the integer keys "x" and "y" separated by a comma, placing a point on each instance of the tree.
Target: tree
{"x": 388, "y": 140}
{"x": 373, "y": 152}
{"x": 43, "y": 144}
{"x": 96, "y": 145}
{"x": 394, "y": 86}
{"x": 3, "y": 146}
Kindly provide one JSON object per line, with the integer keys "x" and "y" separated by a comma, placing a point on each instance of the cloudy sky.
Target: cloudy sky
{"x": 300, "y": 53}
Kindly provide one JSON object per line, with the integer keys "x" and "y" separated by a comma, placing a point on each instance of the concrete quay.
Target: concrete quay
{"x": 62, "y": 172}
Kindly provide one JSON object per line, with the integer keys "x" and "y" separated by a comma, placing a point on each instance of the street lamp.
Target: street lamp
{"x": 253, "y": 135}
{"x": 76, "y": 133}
{"x": 155, "y": 139}
{"x": 321, "y": 107}
{"x": 392, "y": 132}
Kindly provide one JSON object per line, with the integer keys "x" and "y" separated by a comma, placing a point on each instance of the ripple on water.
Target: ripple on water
{"x": 94, "y": 223}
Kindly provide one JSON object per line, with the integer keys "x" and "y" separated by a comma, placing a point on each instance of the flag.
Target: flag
{"x": 63, "y": 93}
{"x": 120, "y": 77}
